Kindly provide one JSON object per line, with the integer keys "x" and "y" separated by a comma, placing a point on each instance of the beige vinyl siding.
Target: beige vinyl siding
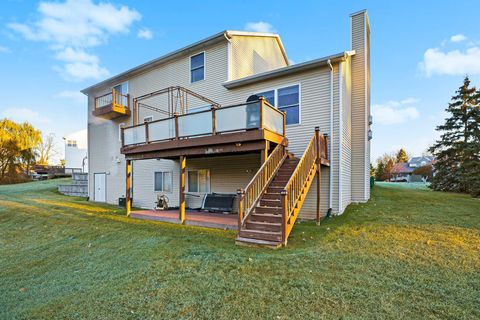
{"x": 335, "y": 158}
{"x": 359, "y": 108}
{"x": 104, "y": 144}
{"x": 226, "y": 176}
{"x": 251, "y": 55}
{"x": 367, "y": 155}
{"x": 346, "y": 154}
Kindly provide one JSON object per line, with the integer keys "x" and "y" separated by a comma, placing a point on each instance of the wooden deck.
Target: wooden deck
{"x": 192, "y": 218}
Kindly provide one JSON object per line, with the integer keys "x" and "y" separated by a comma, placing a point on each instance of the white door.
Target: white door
{"x": 100, "y": 187}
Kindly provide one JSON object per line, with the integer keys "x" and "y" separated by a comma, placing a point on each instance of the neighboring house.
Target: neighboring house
{"x": 180, "y": 125}
{"x": 76, "y": 145}
{"x": 403, "y": 172}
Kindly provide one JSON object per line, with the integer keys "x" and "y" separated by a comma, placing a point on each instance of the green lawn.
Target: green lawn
{"x": 406, "y": 254}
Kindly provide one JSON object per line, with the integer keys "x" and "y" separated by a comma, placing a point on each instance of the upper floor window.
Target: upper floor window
{"x": 286, "y": 99}
{"x": 289, "y": 102}
{"x": 269, "y": 95}
{"x": 71, "y": 143}
{"x": 197, "y": 67}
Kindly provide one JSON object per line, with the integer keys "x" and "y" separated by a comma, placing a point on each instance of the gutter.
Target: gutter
{"x": 330, "y": 194}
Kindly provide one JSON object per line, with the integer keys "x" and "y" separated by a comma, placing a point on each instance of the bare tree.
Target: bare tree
{"x": 46, "y": 149}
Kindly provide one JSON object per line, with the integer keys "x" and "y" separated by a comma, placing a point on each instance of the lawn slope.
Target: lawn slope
{"x": 405, "y": 254}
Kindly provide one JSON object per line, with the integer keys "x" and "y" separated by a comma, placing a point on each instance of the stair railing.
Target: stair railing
{"x": 249, "y": 197}
{"x": 291, "y": 195}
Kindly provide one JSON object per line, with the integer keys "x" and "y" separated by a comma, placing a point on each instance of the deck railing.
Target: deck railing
{"x": 295, "y": 190}
{"x": 251, "y": 115}
{"x": 113, "y": 99}
{"x": 249, "y": 197}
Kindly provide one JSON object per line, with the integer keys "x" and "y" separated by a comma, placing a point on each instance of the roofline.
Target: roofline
{"x": 288, "y": 70}
{"x": 182, "y": 51}
{"x": 358, "y": 12}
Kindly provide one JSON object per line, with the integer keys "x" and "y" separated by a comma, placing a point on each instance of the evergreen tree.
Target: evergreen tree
{"x": 458, "y": 150}
{"x": 402, "y": 156}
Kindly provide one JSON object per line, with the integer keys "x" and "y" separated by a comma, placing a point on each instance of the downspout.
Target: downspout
{"x": 330, "y": 138}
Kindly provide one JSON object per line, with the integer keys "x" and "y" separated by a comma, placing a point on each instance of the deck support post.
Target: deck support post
{"x": 128, "y": 171}
{"x": 264, "y": 153}
{"x": 318, "y": 162}
{"x": 183, "y": 166}
{"x": 241, "y": 200}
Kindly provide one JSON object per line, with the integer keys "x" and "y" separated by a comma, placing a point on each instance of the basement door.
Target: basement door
{"x": 99, "y": 185}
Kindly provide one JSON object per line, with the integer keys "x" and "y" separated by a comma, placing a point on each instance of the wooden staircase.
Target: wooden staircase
{"x": 271, "y": 202}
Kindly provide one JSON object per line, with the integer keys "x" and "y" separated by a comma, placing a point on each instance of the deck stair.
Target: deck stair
{"x": 270, "y": 204}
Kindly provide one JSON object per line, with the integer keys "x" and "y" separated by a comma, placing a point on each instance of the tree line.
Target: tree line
{"x": 21, "y": 147}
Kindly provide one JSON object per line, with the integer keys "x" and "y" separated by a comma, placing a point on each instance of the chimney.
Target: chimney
{"x": 360, "y": 42}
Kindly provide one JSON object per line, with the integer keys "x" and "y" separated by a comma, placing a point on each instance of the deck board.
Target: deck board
{"x": 192, "y": 218}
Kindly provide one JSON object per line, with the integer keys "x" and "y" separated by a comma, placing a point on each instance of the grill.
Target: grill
{"x": 220, "y": 202}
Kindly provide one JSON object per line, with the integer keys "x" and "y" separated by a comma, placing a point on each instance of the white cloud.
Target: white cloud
{"x": 458, "y": 38}
{"x": 71, "y": 27}
{"x": 395, "y": 112}
{"x": 453, "y": 62}
{"x": 260, "y": 26}
{"x": 4, "y": 50}
{"x": 145, "y": 33}
{"x": 75, "y": 96}
{"x": 25, "y": 114}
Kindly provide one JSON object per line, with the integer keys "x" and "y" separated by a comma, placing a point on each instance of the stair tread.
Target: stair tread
{"x": 265, "y": 223}
{"x": 266, "y": 232}
{"x": 259, "y": 241}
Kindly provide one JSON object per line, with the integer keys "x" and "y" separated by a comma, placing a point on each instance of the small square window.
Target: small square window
{"x": 163, "y": 181}
{"x": 197, "y": 67}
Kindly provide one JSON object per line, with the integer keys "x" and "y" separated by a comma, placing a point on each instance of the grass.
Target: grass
{"x": 406, "y": 254}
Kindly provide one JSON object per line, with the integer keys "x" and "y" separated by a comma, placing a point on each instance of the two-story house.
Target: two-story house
{"x": 230, "y": 115}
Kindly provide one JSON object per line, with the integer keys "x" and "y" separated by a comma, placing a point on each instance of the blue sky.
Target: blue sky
{"x": 420, "y": 52}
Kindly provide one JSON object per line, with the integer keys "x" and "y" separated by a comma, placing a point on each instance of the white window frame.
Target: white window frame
{"x": 198, "y": 185}
{"x": 163, "y": 181}
{"x": 275, "y": 89}
{"x": 204, "y": 66}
